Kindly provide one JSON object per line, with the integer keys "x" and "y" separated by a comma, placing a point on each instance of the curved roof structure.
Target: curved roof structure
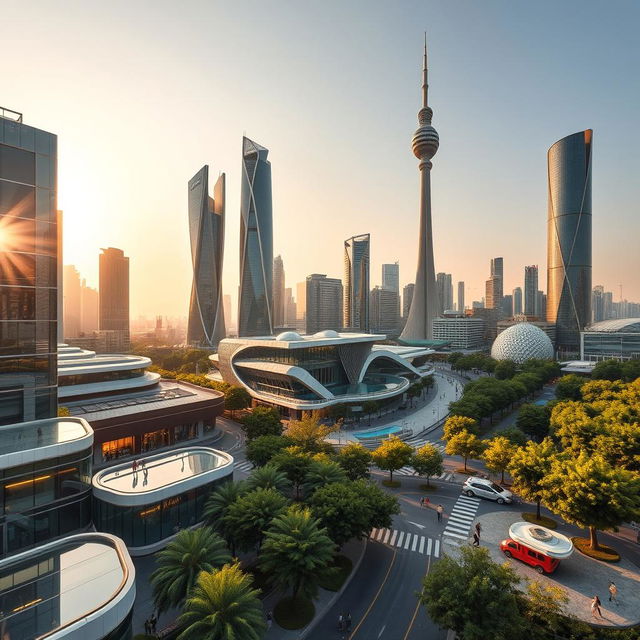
{"x": 623, "y": 325}
{"x": 521, "y": 342}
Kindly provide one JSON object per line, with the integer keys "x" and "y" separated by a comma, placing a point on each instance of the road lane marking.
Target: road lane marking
{"x": 386, "y": 537}
{"x": 407, "y": 541}
{"x": 455, "y": 535}
{"x": 415, "y": 542}
{"x": 382, "y": 631}
{"x": 436, "y": 549}
{"x": 420, "y": 526}
{"x": 422, "y": 544}
{"x": 393, "y": 538}
{"x": 400, "y": 539}
{"x": 429, "y": 543}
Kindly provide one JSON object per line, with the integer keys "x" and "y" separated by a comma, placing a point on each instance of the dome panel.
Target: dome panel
{"x": 327, "y": 333}
{"x": 521, "y": 342}
{"x": 289, "y": 336}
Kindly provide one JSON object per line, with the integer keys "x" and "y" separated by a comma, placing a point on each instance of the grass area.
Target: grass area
{"x": 292, "y": 613}
{"x": 604, "y": 553}
{"x": 543, "y": 521}
{"x": 428, "y": 487}
{"x": 259, "y": 579}
{"x": 392, "y": 484}
{"x": 342, "y": 566}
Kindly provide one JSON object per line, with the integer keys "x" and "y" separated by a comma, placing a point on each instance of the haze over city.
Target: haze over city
{"x": 141, "y": 98}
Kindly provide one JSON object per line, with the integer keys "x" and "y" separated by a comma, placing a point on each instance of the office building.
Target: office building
{"x": 114, "y": 294}
{"x": 256, "y": 243}
{"x": 89, "y": 308}
{"x": 445, "y": 292}
{"x": 569, "y": 238}
{"x": 278, "y": 292}
{"x": 28, "y": 270}
{"x": 301, "y": 306}
{"x": 357, "y": 252}
{"x": 490, "y": 317}
{"x": 460, "y": 305}
{"x": 391, "y": 277}
{"x": 407, "y": 297}
{"x": 460, "y": 332}
{"x": 323, "y": 300}
{"x": 71, "y": 301}
{"x": 507, "y": 306}
{"x": 517, "y": 301}
{"x": 530, "y": 289}
{"x": 290, "y": 310}
{"x": 424, "y": 304}
{"x": 541, "y": 305}
{"x": 597, "y": 304}
{"x": 494, "y": 285}
{"x": 206, "y": 231}
{"x": 384, "y": 311}
{"x": 611, "y": 339}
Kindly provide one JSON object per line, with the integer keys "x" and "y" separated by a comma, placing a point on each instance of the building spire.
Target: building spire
{"x": 425, "y": 84}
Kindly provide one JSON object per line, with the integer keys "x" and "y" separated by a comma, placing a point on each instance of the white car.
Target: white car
{"x": 486, "y": 489}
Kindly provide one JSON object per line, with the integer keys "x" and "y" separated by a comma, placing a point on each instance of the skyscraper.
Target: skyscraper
{"x": 530, "y": 289}
{"x": 206, "y": 230}
{"x": 407, "y": 297}
{"x": 278, "y": 292}
{"x": 289, "y": 308}
{"x": 494, "y": 285}
{"x": 28, "y": 271}
{"x": 507, "y": 306}
{"x": 114, "y": 294}
{"x": 90, "y": 308}
{"x": 391, "y": 277}
{"x": 445, "y": 292}
{"x": 424, "y": 305}
{"x": 356, "y": 282}
{"x": 71, "y": 301}
{"x": 569, "y": 238}
{"x": 323, "y": 303}
{"x": 256, "y": 243}
{"x": 384, "y": 311}
{"x": 460, "y": 297}
{"x": 517, "y": 301}
{"x": 597, "y": 303}
{"x": 301, "y": 306}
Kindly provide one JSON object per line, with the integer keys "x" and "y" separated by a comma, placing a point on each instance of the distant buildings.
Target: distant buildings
{"x": 569, "y": 238}
{"x": 407, "y": 297}
{"x": 301, "y": 306}
{"x": 460, "y": 306}
{"x": 71, "y": 301}
{"x": 256, "y": 243}
{"x": 357, "y": 252}
{"x": 384, "y": 311}
{"x": 530, "y": 289}
{"x": 278, "y": 292}
{"x": 445, "y": 292}
{"x": 461, "y": 332}
{"x": 611, "y": 339}
{"x": 391, "y": 277}
{"x": 290, "y": 308}
{"x": 114, "y": 296}
{"x": 507, "y": 306}
{"x": 323, "y": 300}
{"x": 494, "y": 285}
{"x": 517, "y": 301}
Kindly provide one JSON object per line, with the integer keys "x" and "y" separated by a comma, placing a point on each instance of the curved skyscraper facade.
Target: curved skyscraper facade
{"x": 255, "y": 303}
{"x": 569, "y": 238}
{"x": 424, "y": 304}
{"x": 357, "y": 252}
{"x": 206, "y": 231}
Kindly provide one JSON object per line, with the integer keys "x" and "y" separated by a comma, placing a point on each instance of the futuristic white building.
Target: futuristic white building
{"x": 521, "y": 342}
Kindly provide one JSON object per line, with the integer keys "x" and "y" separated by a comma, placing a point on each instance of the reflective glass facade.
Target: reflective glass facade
{"x": 356, "y": 282}
{"x": 569, "y": 238}
{"x": 256, "y": 243}
{"x": 28, "y": 273}
{"x": 623, "y": 344}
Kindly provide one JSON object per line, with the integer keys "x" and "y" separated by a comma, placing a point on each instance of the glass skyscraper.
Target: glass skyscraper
{"x": 256, "y": 243}
{"x": 28, "y": 271}
{"x": 569, "y": 238}
{"x": 356, "y": 282}
{"x": 206, "y": 231}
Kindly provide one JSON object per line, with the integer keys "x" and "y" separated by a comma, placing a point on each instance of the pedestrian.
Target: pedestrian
{"x": 134, "y": 466}
{"x": 426, "y": 501}
{"x": 269, "y": 619}
{"x": 476, "y": 539}
{"x": 440, "y": 510}
{"x": 478, "y": 529}
{"x": 154, "y": 622}
{"x": 147, "y": 627}
{"x": 348, "y": 622}
{"x": 595, "y": 607}
{"x": 340, "y": 622}
{"x": 613, "y": 592}
{"x": 422, "y": 502}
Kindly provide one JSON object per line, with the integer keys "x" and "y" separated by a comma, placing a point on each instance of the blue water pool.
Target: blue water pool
{"x": 376, "y": 433}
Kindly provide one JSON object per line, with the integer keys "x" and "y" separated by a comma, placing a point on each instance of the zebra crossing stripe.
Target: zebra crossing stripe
{"x": 455, "y": 535}
{"x": 393, "y": 538}
{"x": 460, "y": 521}
{"x": 421, "y": 548}
{"x": 469, "y": 501}
{"x": 455, "y": 529}
{"x": 436, "y": 550}
{"x": 429, "y": 543}
{"x": 407, "y": 541}
{"x": 386, "y": 536}
{"x": 467, "y": 510}
{"x": 400, "y": 538}
{"x": 415, "y": 543}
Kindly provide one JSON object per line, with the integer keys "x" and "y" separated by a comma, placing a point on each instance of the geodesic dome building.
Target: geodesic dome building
{"x": 521, "y": 342}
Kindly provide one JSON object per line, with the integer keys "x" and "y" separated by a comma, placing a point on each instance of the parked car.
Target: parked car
{"x": 539, "y": 561}
{"x": 487, "y": 489}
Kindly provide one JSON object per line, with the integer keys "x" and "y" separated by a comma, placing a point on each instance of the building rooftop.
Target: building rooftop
{"x": 293, "y": 340}
{"x": 622, "y": 325}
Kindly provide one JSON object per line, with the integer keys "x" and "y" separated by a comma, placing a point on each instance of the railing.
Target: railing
{"x": 10, "y": 114}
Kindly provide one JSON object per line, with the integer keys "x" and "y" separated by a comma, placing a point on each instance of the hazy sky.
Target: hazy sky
{"x": 142, "y": 94}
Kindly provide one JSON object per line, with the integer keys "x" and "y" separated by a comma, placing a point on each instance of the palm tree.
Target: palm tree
{"x": 268, "y": 477}
{"x": 217, "y": 506}
{"x": 223, "y": 605}
{"x": 189, "y": 553}
{"x": 296, "y": 552}
{"x": 321, "y": 474}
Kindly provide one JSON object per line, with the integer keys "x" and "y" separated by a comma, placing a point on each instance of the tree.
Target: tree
{"x": 529, "y": 467}
{"x": 309, "y": 433}
{"x": 568, "y": 387}
{"x": 391, "y": 455}
{"x": 427, "y": 461}
{"x": 262, "y": 421}
{"x": 369, "y": 407}
{"x": 217, "y": 506}
{"x": 180, "y": 562}
{"x": 534, "y": 421}
{"x": 296, "y": 552}
{"x": 498, "y": 455}
{"x": 543, "y": 608}
{"x": 268, "y": 477}
{"x": 250, "y": 515}
{"x": 236, "y": 398}
{"x": 456, "y": 424}
{"x": 590, "y": 492}
{"x": 513, "y": 435}
{"x": 631, "y": 370}
{"x": 223, "y": 605}
{"x": 339, "y": 411}
{"x": 474, "y": 596}
{"x": 295, "y": 463}
{"x": 465, "y": 444}
{"x": 355, "y": 460}
{"x": 322, "y": 473}
{"x": 607, "y": 370}
{"x": 264, "y": 448}
{"x": 505, "y": 369}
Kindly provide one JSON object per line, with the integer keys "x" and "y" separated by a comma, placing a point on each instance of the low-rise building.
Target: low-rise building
{"x": 462, "y": 332}
{"x": 611, "y": 340}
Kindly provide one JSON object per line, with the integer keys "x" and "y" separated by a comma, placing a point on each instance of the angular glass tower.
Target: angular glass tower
{"x": 356, "y": 282}
{"x": 256, "y": 243}
{"x": 206, "y": 231}
{"x": 424, "y": 304}
{"x": 569, "y": 238}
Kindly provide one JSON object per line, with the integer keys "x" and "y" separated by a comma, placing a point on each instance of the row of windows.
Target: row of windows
{"x": 42, "y": 403}
{"x": 27, "y": 269}
{"x": 301, "y": 357}
{"x": 27, "y": 303}
{"x": 18, "y": 338}
{"x": 28, "y": 235}
{"x": 104, "y": 376}
{"x": 28, "y": 371}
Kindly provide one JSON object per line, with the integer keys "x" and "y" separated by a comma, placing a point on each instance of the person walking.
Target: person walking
{"x": 595, "y": 607}
{"x": 348, "y": 622}
{"x": 422, "y": 502}
{"x": 478, "y": 529}
{"x": 269, "y": 619}
{"x": 134, "y": 466}
{"x": 613, "y": 592}
{"x": 440, "y": 511}
{"x": 340, "y": 622}
{"x": 476, "y": 539}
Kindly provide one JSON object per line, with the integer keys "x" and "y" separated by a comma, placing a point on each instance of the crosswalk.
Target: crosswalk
{"x": 461, "y": 518}
{"x": 417, "y": 441}
{"x": 243, "y": 465}
{"x": 410, "y": 471}
{"x": 408, "y": 541}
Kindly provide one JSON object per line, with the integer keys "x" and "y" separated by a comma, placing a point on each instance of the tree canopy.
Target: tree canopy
{"x": 262, "y": 421}
{"x": 465, "y": 444}
{"x": 261, "y": 450}
{"x": 427, "y": 461}
{"x": 355, "y": 460}
{"x": 534, "y": 421}
{"x": 498, "y": 455}
{"x": 392, "y": 454}
{"x": 309, "y": 433}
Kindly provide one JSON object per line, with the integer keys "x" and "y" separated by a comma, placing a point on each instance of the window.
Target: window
{"x": 17, "y": 199}
{"x": 496, "y": 487}
{"x": 117, "y": 448}
{"x": 17, "y": 165}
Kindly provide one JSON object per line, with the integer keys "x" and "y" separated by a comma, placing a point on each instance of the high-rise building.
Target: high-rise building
{"x": 384, "y": 309}
{"x": 206, "y": 230}
{"x": 445, "y": 292}
{"x": 357, "y": 252}
{"x": 517, "y": 301}
{"x": 407, "y": 297}
{"x": 391, "y": 277}
{"x": 494, "y": 285}
{"x": 460, "y": 306}
{"x": 323, "y": 303}
{"x": 290, "y": 310}
{"x": 301, "y": 306}
{"x": 541, "y": 305}
{"x": 90, "y": 309}
{"x": 256, "y": 243}
{"x": 597, "y": 303}
{"x": 507, "y": 306}
{"x": 530, "y": 289}
{"x": 28, "y": 271}
{"x": 424, "y": 305}
{"x": 569, "y": 238}
{"x": 278, "y": 292}
{"x": 114, "y": 294}
{"x": 71, "y": 301}
{"x": 608, "y": 305}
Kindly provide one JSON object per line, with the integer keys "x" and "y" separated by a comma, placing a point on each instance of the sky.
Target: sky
{"x": 143, "y": 93}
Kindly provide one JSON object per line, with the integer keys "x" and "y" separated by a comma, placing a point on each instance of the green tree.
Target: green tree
{"x": 568, "y": 387}
{"x": 223, "y": 605}
{"x": 262, "y": 450}
{"x": 474, "y": 596}
{"x": 607, "y": 370}
{"x": 505, "y": 369}
{"x": 391, "y": 455}
{"x": 295, "y": 463}
{"x": 180, "y": 562}
{"x": 296, "y": 552}
{"x": 631, "y": 370}
{"x": 513, "y": 435}
{"x": 322, "y": 473}
{"x": 369, "y": 407}
{"x": 217, "y": 506}
{"x": 591, "y": 493}
{"x": 465, "y": 444}
{"x": 355, "y": 460}
{"x": 236, "y": 398}
{"x": 309, "y": 433}
{"x": 262, "y": 421}
{"x": 534, "y": 421}
{"x": 427, "y": 461}
{"x": 456, "y": 424}
{"x": 498, "y": 455}
{"x": 268, "y": 477}
{"x": 250, "y": 515}
{"x": 543, "y": 609}
{"x": 339, "y": 411}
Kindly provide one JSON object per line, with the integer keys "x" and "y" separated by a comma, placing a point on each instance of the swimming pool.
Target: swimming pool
{"x": 377, "y": 433}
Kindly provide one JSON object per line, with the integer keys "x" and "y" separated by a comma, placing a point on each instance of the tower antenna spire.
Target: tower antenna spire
{"x": 425, "y": 84}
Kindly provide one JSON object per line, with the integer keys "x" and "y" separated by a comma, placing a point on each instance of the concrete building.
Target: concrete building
{"x": 90, "y": 308}
{"x": 384, "y": 309}
{"x": 391, "y": 277}
{"x": 301, "y": 306}
{"x": 357, "y": 255}
{"x": 278, "y": 293}
{"x": 461, "y": 332}
{"x": 407, "y": 297}
{"x": 114, "y": 293}
{"x": 290, "y": 309}
{"x": 530, "y": 289}
{"x": 494, "y": 285}
{"x": 460, "y": 305}
{"x": 72, "y": 301}
{"x": 445, "y": 292}
{"x": 517, "y": 301}
{"x": 323, "y": 298}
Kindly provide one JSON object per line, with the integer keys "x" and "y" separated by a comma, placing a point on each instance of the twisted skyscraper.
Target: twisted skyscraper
{"x": 424, "y": 305}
